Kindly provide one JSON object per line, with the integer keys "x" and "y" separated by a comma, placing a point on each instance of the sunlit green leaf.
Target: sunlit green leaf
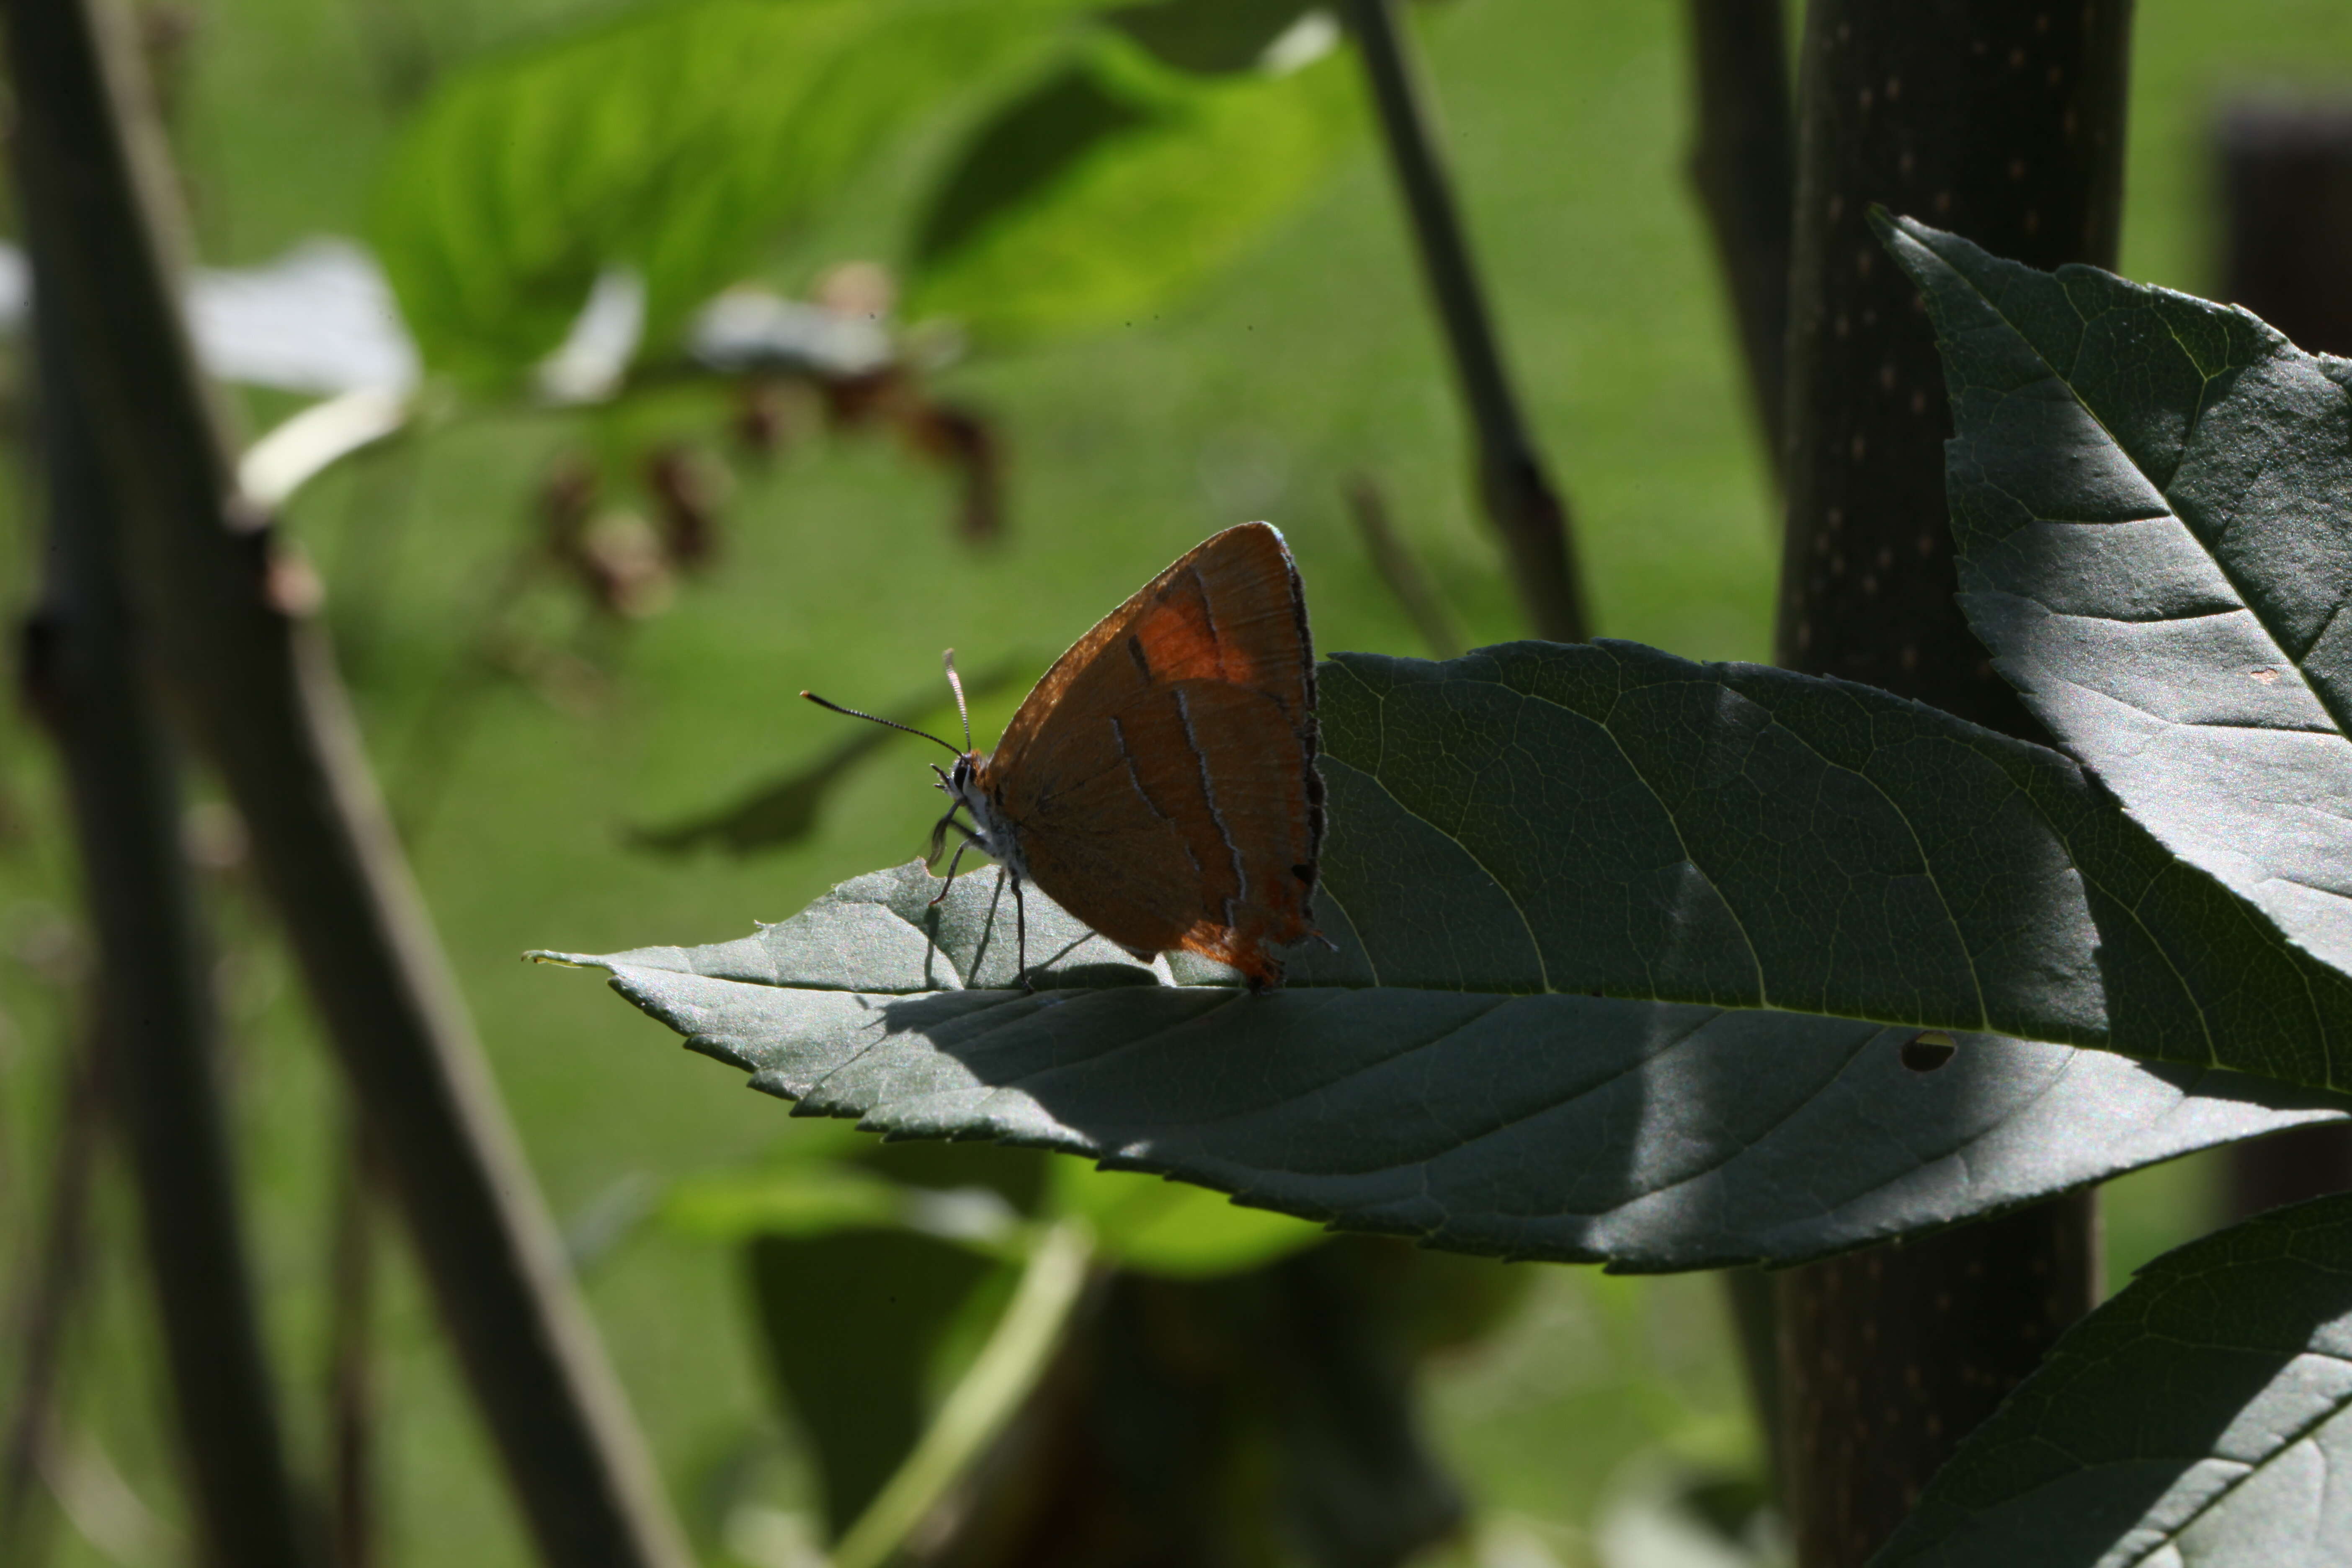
{"x": 1037, "y": 140}
{"x": 812, "y": 1198}
{"x": 1101, "y": 191}
{"x": 673, "y": 140}
{"x": 819, "y": 1197}
{"x": 1164, "y": 1227}
{"x": 1213, "y": 36}
{"x": 2199, "y": 1417}
{"x": 2152, "y": 498}
{"x": 1633, "y": 958}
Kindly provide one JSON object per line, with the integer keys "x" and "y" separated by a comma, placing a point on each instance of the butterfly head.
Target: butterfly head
{"x": 956, "y": 784}
{"x": 961, "y": 783}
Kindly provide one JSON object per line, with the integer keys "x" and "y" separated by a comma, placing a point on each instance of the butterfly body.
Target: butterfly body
{"x": 1160, "y": 782}
{"x": 991, "y": 833}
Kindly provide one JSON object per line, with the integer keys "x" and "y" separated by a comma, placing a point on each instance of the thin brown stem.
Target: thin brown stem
{"x": 2287, "y": 184}
{"x": 55, "y": 1298}
{"x": 1401, "y": 569}
{"x": 351, "y": 1509}
{"x": 1518, "y": 497}
{"x": 156, "y": 1012}
{"x": 1743, "y": 165}
{"x": 249, "y": 670}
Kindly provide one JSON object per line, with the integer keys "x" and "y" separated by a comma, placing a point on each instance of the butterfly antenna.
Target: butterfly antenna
{"x": 878, "y": 718}
{"x": 956, "y": 682}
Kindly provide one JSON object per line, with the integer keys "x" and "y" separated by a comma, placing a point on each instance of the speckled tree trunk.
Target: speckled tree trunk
{"x": 2001, "y": 120}
{"x": 2286, "y": 199}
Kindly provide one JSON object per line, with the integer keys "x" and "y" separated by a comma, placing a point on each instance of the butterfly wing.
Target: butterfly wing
{"x": 1160, "y": 780}
{"x": 1185, "y": 837}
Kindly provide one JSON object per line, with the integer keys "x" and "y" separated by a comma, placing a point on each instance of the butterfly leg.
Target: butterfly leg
{"x": 1021, "y": 937}
{"x": 957, "y": 859}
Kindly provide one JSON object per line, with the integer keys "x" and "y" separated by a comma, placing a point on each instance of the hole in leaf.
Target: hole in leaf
{"x": 1927, "y": 1052}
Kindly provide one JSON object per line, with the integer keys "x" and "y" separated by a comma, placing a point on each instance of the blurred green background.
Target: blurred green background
{"x": 1311, "y": 359}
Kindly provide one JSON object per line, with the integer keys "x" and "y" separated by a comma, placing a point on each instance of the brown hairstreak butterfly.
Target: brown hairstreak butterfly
{"x": 1160, "y": 782}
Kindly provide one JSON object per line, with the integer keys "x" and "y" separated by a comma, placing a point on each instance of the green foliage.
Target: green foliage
{"x": 674, "y": 141}
{"x": 1652, "y": 962}
{"x": 1163, "y": 1228}
{"x": 2149, "y": 497}
{"x": 1611, "y": 819}
{"x": 1686, "y": 921}
{"x": 1115, "y": 182}
{"x": 846, "y": 1319}
{"x": 1555, "y": 823}
{"x": 2200, "y": 1416}
{"x": 808, "y": 1198}
{"x": 1134, "y": 1221}
{"x": 1644, "y": 1134}
{"x": 1570, "y": 123}
{"x": 1565, "y": 885}
{"x": 1017, "y": 158}
{"x": 1260, "y": 1417}
{"x": 679, "y": 139}
{"x": 912, "y": 1245}
{"x": 1211, "y": 36}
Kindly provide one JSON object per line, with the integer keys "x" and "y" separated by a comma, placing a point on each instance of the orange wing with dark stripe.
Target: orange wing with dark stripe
{"x": 1161, "y": 779}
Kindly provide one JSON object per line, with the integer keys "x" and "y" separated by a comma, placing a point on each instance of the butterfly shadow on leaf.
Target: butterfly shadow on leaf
{"x": 1062, "y": 955}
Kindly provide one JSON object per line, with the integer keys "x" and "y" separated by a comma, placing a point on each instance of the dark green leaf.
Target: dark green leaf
{"x": 1779, "y": 880}
{"x": 1035, "y": 139}
{"x": 2200, "y": 1416}
{"x": 1260, "y": 1418}
{"x": 2152, "y": 499}
{"x": 850, "y": 1320}
{"x": 857, "y": 1318}
{"x": 1211, "y": 36}
{"x": 673, "y": 140}
{"x": 1101, "y": 193}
